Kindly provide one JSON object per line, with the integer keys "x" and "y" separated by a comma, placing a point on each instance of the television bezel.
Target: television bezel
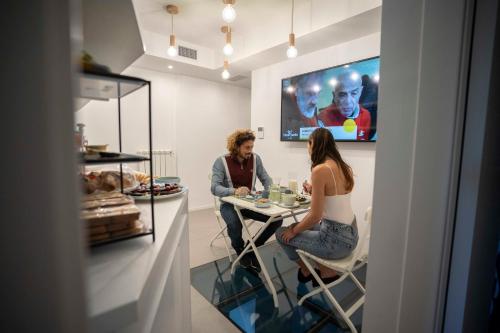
{"x": 319, "y": 70}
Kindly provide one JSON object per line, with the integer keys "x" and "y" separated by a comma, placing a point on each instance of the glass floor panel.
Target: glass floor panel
{"x": 247, "y": 302}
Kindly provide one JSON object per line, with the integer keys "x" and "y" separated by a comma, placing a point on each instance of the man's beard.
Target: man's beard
{"x": 246, "y": 156}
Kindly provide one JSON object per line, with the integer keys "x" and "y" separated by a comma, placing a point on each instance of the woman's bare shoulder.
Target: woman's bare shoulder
{"x": 320, "y": 170}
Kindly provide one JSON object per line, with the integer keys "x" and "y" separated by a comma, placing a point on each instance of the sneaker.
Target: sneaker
{"x": 302, "y": 278}
{"x": 255, "y": 263}
{"x": 249, "y": 260}
{"x": 326, "y": 280}
{"x": 246, "y": 261}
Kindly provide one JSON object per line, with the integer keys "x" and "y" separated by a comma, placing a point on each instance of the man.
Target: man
{"x": 235, "y": 174}
{"x": 345, "y": 108}
{"x": 300, "y": 104}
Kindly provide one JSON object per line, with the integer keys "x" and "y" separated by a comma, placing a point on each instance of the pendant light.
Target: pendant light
{"x": 228, "y": 48}
{"x": 292, "y": 50}
{"x": 172, "y": 50}
{"x": 228, "y": 13}
{"x": 225, "y": 73}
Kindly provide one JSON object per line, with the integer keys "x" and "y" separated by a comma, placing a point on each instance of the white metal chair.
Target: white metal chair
{"x": 345, "y": 267}
{"x": 222, "y": 226}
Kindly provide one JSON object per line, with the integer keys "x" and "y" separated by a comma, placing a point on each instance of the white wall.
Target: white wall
{"x": 190, "y": 116}
{"x": 290, "y": 159}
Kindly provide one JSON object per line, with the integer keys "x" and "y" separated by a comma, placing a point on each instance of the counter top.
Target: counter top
{"x": 122, "y": 281}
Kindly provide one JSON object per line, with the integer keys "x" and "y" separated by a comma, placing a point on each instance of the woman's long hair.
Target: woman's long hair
{"x": 323, "y": 146}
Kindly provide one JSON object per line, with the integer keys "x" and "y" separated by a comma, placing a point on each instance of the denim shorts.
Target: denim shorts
{"x": 327, "y": 239}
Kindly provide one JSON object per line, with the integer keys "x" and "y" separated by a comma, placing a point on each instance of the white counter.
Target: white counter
{"x": 131, "y": 281}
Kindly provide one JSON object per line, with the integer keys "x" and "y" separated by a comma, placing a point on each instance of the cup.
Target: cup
{"x": 275, "y": 194}
{"x": 288, "y": 199}
{"x": 292, "y": 185}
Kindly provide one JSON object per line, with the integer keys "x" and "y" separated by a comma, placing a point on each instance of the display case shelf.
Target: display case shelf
{"x": 106, "y": 86}
{"x": 123, "y": 158}
{"x": 119, "y": 239}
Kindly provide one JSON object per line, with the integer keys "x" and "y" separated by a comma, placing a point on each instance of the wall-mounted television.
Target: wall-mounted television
{"x": 342, "y": 98}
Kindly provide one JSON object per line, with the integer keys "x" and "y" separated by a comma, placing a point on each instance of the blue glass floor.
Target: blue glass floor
{"x": 245, "y": 300}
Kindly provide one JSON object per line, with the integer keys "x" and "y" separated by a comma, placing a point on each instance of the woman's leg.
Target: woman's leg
{"x": 304, "y": 241}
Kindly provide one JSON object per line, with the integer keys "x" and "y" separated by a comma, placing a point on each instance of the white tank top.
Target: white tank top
{"x": 338, "y": 207}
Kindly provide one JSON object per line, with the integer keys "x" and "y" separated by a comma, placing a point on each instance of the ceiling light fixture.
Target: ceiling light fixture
{"x": 228, "y": 48}
{"x": 292, "y": 50}
{"x": 172, "y": 50}
{"x": 228, "y": 13}
{"x": 225, "y": 73}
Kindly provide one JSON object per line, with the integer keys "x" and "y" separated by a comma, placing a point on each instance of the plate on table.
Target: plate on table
{"x": 262, "y": 203}
{"x": 295, "y": 205}
{"x": 303, "y": 199}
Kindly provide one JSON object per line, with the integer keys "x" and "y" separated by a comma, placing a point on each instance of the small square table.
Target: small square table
{"x": 275, "y": 213}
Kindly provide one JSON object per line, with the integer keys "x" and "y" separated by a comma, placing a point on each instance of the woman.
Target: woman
{"x": 329, "y": 229}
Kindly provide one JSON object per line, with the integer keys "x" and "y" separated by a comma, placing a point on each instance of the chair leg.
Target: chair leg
{"x": 324, "y": 288}
{"x": 217, "y": 236}
{"x": 223, "y": 229}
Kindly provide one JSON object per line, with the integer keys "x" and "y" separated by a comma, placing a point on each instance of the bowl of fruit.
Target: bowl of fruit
{"x": 262, "y": 203}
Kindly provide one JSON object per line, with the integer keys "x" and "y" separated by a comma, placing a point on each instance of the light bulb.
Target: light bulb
{"x": 172, "y": 51}
{"x": 291, "y": 52}
{"x": 228, "y": 13}
{"x": 225, "y": 74}
{"x": 228, "y": 49}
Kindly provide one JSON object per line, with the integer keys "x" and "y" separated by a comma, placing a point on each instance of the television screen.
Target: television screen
{"x": 341, "y": 98}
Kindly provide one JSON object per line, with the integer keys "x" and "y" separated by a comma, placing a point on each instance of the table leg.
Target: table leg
{"x": 257, "y": 255}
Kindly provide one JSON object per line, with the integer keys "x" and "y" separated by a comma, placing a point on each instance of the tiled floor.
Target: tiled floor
{"x": 239, "y": 296}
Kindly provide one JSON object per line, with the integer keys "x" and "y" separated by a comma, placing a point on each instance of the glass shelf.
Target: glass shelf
{"x": 122, "y": 238}
{"x": 104, "y": 86}
{"x": 123, "y": 158}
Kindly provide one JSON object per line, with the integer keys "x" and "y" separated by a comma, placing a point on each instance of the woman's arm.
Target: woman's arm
{"x": 318, "y": 179}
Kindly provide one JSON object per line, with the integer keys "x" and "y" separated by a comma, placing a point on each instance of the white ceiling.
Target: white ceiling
{"x": 260, "y": 31}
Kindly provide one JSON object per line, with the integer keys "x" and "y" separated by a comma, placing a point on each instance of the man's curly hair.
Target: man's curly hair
{"x": 235, "y": 140}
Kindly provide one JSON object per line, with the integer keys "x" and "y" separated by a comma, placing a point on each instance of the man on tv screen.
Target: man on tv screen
{"x": 345, "y": 111}
{"x": 300, "y": 104}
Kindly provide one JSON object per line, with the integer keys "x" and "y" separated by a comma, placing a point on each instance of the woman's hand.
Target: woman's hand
{"x": 289, "y": 234}
{"x": 306, "y": 187}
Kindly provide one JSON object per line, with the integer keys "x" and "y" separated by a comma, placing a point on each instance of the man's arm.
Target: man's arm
{"x": 262, "y": 174}
{"x": 217, "y": 188}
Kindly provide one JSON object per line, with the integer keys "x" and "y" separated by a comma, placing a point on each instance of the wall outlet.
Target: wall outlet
{"x": 260, "y": 132}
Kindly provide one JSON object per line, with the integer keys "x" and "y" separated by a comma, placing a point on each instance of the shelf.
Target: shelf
{"x": 118, "y": 239}
{"x": 104, "y": 86}
{"x": 123, "y": 158}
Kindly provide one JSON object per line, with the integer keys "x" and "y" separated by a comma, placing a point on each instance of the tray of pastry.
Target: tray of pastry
{"x": 110, "y": 216}
{"x": 160, "y": 191}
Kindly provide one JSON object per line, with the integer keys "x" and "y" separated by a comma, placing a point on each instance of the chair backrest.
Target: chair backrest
{"x": 216, "y": 198}
{"x": 363, "y": 236}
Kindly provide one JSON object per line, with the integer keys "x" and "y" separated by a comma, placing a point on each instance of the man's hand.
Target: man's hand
{"x": 306, "y": 187}
{"x": 242, "y": 191}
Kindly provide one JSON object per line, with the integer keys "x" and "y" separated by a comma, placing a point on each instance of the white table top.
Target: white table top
{"x": 117, "y": 273}
{"x": 274, "y": 210}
